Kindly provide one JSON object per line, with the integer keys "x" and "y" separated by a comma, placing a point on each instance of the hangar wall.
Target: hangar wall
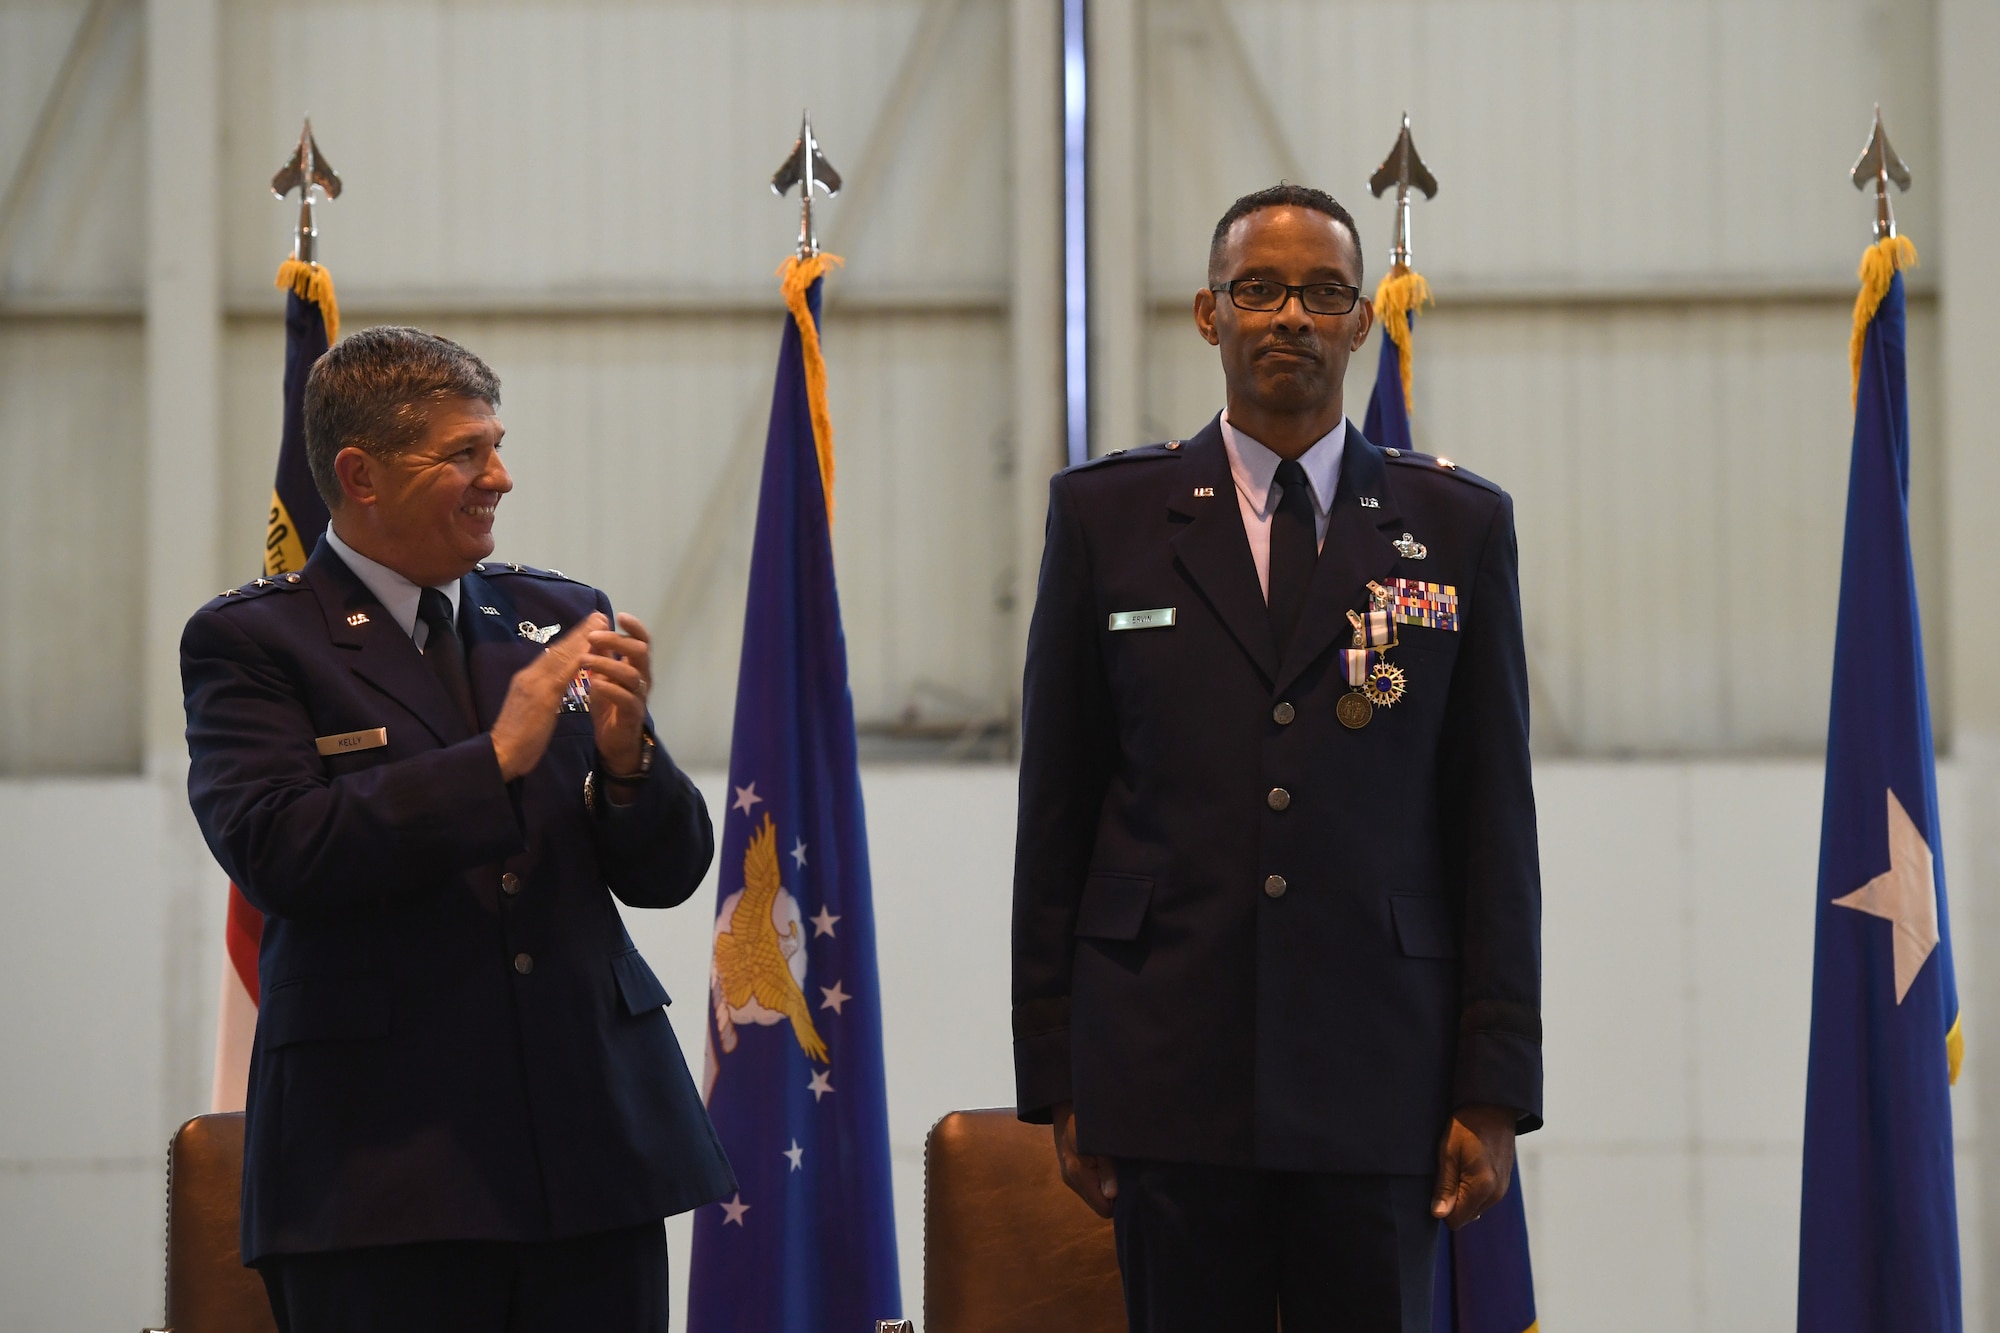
{"x": 1642, "y": 249}
{"x": 1643, "y": 255}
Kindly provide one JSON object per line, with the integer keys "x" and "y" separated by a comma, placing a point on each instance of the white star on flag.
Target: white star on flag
{"x": 835, "y": 997}
{"x": 822, "y": 922}
{"x": 797, "y": 1154}
{"x": 1905, "y": 895}
{"x": 735, "y": 1209}
{"x": 822, "y": 1083}
{"x": 799, "y": 852}
{"x": 746, "y": 797}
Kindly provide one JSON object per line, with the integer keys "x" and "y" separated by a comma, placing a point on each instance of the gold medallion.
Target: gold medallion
{"x": 1354, "y": 710}
{"x": 1385, "y": 685}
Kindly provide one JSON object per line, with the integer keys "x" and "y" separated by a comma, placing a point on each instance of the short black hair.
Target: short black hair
{"x": 1282, "y": 195}
{"x": 373, "y": 390}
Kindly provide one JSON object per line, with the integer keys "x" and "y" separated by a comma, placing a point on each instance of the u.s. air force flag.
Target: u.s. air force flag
{"x": 1484, "y": 1280}
{"x": 794, "y": 1077}
{"x": 1878, "y": 1234}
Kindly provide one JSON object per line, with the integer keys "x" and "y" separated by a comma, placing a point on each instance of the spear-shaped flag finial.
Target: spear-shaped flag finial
{"x": 308, "y": 168}
{"x": 1403, "y": 168}
{"x": 1878, "y": 166}
{"x": 805, "y": 168}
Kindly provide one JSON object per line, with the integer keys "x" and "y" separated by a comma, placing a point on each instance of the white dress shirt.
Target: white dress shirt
{"x": 399, "y": 596}
{"x": 1254, "y": 466}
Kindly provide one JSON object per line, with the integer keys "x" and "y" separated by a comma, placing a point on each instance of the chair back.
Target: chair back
{"x": 1007, "y": 1247}
{"x": 208, "y": 1288}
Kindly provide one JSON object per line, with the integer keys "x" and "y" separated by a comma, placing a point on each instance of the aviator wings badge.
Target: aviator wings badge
{"x": 539, "y": 633}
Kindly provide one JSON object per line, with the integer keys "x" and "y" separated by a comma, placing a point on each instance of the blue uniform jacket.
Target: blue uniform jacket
{"x": 456, "y": 1038}
{"x": 1193, "y": 1007}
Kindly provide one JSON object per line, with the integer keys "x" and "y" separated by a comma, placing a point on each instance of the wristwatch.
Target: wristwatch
{"x": 591, "y": 783}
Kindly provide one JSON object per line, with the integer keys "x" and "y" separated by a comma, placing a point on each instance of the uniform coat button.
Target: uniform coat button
{"x": 510, "y": 884}
{"x": 523, "y": 964}
{"x": 1283, "y": 714}
{"x": 1278, "y": 798}
{"x": 1274, "y": 886}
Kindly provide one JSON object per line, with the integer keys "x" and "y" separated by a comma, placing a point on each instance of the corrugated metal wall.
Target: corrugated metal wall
{"x": 1642, "y": 251}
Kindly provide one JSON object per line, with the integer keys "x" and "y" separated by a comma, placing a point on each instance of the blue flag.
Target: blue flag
{"x": 1878, "y": 1231}
{"x": 794, "y": 1078}
{"x": 1484, "y": 1283}
{"x": 1387, "y": 424}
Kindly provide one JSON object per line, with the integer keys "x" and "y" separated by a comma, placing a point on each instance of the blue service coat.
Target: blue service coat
{"x": 1194, "y": 1008}
{"x": 456, "y": 1038}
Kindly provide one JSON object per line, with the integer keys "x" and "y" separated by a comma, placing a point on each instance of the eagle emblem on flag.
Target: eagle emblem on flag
{"x": 760, "y": 955}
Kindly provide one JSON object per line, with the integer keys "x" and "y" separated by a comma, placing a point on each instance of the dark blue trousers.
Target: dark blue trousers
{"x": 1203, "y": 1248}
{"x": 611, "y": 1282}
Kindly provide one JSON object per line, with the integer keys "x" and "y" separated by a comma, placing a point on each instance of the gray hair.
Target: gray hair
{"x": 373, "y": 390}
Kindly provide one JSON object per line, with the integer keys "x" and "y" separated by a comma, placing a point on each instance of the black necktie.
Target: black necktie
{"x": 445, "y": 654}
{"x": 1294, "y": 551}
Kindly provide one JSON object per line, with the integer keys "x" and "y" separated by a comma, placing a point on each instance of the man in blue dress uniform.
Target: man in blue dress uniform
{"x": 432, "y": 772}
{"x": 1276, "y": 897}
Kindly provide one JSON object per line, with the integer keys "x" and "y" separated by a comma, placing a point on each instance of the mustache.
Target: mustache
{"x": 1305, "y": 347}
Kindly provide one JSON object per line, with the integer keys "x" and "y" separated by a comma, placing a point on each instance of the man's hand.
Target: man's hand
{"x": 1475, "y": 1164}
{"x": 1095, "y": 1179}
{"x": 621, "y": 676}
{"x": 528, "y": 717}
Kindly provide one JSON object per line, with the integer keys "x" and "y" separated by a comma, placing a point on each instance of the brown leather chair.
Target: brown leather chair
{"x": 1007, "y": 1247}
{"x": 208, "y": 1288}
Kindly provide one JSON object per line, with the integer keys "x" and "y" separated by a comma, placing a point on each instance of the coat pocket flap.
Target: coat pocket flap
{"x": 1425, "y": 926}
{"x": 637, "y": 985}
{"x": 1114, "y": 906}
{"x": 331, "y": 1008}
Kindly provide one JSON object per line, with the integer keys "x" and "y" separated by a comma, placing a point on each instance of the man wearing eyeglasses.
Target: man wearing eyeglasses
{"x": 1276, "y": 900}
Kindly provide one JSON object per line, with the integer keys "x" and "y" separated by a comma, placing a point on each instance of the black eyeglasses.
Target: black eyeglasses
{"x": 1262, "y": 294}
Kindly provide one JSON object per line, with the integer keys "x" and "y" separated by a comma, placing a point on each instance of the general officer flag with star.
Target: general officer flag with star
{"x": 794, "y": 1078}
{"x": 1484, "y": 1281}
{"x": 1878, "y": 1234}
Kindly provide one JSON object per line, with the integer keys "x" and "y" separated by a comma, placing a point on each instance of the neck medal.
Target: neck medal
{"x": 1375, "y": 683}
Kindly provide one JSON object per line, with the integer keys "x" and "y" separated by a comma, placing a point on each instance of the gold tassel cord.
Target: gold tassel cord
{"x": 798, "y": 276}
{"x": 1954, "y": 1048}
{"x": 1879, "y": 263}
{"x": 1400, "y": 294}
{"x": 311, "y": 282}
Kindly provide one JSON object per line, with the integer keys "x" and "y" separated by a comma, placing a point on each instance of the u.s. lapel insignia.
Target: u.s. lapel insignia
{"x": 490, "y": 610}
{"x": 538, "y": 633}
{"x": 1370, "y": 502}
{"x": 358, "y": 619}
{"x": 1411, "y": 549}
{"x": 1204, "y": 492}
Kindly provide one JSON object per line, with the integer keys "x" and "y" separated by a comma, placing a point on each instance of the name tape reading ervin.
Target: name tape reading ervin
{"x": 1160, "y": 617}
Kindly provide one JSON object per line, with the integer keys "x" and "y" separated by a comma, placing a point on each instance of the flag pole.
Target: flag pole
{"x": 1402, "y": 291}
{"x": 805, "y": 166}
{"x": 1878, "y": 165}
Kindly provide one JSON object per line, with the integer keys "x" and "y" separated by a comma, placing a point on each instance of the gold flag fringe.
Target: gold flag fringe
{"x": 1879, "y": 263}
{"x": 797, "y": 276}
{"x": 1400, "y": 294}
{"x": 311, "y": 282}
{"x": 1954, "y": 1048}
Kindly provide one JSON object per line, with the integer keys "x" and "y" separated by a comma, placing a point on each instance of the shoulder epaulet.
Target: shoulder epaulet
{"x": 1443, "y": 466}
{"x": 495, "y": 568}
{"x": 259, "y": 587}
{"x": 1171, "y": 449}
